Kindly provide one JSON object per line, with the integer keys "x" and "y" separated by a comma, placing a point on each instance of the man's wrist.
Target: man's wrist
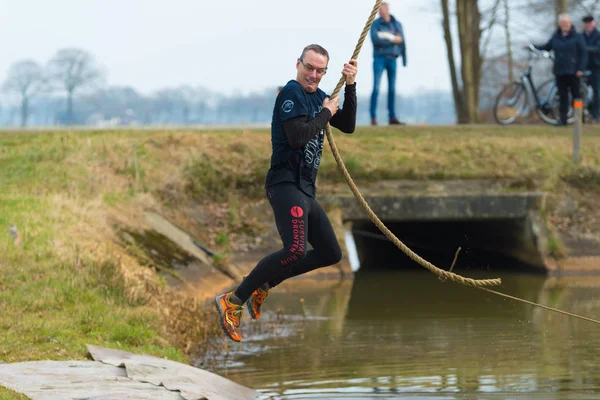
{"x": 327, "y": 112}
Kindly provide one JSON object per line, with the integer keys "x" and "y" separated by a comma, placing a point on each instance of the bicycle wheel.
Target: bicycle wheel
{"x": 549, "y": 108}
{"x": 587, "y": 95}
{"x": 510, "y": 103}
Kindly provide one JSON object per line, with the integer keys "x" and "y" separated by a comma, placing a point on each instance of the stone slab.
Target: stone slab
{"x": 194, "y": 383}
{"x": 117, "y": 374}
{"x": 59, "y": 380}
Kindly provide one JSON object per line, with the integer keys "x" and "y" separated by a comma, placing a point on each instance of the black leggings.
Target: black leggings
{"x": 299, "y": 219}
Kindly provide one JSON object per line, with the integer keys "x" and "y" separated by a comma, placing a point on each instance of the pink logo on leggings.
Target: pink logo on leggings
{"x": 298, "y": 241}
{"x": 297, "y": 212}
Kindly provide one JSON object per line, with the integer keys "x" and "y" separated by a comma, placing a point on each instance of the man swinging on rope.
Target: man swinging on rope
{"x": 301, "y": 113}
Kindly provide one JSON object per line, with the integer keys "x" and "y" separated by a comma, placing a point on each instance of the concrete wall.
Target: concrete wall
{"x": 507, "y": 223}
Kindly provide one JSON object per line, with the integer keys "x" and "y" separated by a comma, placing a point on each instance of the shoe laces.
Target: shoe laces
{"x": 260, "y": 296}
{"x": 234, "y": 313}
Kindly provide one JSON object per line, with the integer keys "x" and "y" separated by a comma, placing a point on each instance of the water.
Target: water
{"x": 401, "y": 335}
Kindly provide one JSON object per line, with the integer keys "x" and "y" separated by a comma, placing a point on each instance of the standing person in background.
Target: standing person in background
{"x": 570, "y": 59}
{"x": 388, "y": 44}
{"x": 592, "y": 41}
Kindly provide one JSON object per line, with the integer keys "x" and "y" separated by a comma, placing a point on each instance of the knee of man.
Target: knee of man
{"x": 301, "y": 254}
{"x": 334, "y": 255}
{"x": 337, "y": 255}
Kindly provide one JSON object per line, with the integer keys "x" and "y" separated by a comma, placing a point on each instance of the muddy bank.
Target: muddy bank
{"x": 569, "y": 222}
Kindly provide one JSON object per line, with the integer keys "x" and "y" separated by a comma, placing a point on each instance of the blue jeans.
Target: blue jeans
{"x": 379, "y": 64}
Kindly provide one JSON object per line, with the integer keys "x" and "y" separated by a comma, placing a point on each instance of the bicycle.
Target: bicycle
{"x": 517, "y": 97}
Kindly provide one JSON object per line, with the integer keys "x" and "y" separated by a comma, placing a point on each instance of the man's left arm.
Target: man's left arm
{"x": 582, "y": 54}
{"x": 595, "y": 46}
{"x": 403, "y": 45}
{"x": 400, "y": 30}
{"x": 377, "y": 41}
{"x": 345, "y": 118}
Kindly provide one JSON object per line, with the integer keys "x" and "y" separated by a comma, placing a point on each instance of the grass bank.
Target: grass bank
{"x": 65, "y": 280}
{"x": 537, "y": 153}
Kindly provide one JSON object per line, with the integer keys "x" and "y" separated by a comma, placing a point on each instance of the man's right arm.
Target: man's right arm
{"x": 299, "y": 132}
{"x": 293, "y": 114}
{"x": 547, "y": 46}
{"x": 400, "y": 32}
{"x": 377, "y": 41}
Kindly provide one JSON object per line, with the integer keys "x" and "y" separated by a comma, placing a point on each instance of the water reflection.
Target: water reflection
{"x": 406, "y": 335}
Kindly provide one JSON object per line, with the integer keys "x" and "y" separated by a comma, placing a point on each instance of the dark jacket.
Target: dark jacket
{"x": 570, "y": 54}
{"x": 592, "y": 42}
{"x": 383, "y": 47}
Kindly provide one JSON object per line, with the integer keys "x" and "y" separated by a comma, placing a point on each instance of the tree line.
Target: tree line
{"x": 70, "y": 90}
{"x": 70, "y": 70}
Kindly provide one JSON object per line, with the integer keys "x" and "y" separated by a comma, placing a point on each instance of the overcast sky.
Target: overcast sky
{"x": 227, "y": 46}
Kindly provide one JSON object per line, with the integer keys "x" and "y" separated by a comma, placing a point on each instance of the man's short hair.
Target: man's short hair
{"x": 587, "y": 18}
{"x": 317, "y": 49}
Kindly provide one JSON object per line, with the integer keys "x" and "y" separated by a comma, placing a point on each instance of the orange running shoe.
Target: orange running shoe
{"x": 229, "y": 316}
{"x": 255, "y": 302}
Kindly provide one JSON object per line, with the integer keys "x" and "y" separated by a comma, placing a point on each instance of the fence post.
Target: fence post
{"x": 577, "y": 128}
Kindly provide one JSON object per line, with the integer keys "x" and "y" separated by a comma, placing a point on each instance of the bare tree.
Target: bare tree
{"x": 589, "y": 7}
{"x": 562, "y": 7}
{"x": 466, "y": 96}
{"x": 544, "y": 6}
{"x": 456, "y": 92}
{"x": 509, "y": 53}
{"x": 469, "y": 32}
{"x": 74, "y": 70}
{"x": 493, "y": 12}
{"x": 26, "y": 78}
{"x": 542, "y": 13}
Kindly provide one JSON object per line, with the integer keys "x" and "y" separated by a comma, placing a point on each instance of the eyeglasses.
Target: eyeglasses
{"x": 310, "y": 68}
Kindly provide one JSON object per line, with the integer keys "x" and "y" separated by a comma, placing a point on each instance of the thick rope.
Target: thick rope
{"x": 540, "y": 305}
{"x": 442, "y": 274}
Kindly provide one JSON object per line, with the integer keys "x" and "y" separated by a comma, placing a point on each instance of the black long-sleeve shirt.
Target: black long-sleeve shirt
{"x": 299, "y": 131}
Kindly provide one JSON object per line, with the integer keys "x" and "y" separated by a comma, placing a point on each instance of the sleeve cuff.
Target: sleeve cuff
{"x": 327, "y": 113}
{"x": 350, "y": 88}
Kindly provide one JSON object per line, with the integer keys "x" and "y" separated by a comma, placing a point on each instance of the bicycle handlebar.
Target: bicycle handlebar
{"x": 538, "y": 52}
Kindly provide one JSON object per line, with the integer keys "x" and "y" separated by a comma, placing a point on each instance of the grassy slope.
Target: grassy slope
{"x": 53, "y": 298}
{"x": 63, "y": 287}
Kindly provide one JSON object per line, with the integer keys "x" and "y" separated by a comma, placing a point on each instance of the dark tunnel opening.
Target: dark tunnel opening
{"x": 491, "y": 244}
